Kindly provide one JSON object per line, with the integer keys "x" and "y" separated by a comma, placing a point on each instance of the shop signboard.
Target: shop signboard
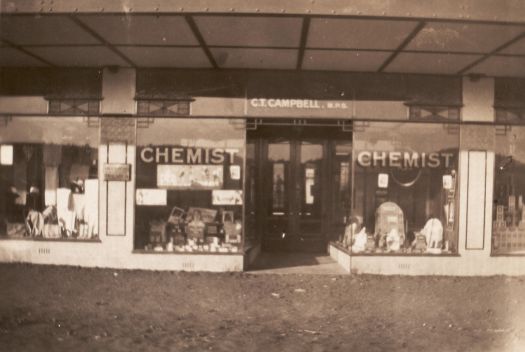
{"x": 407, "y": 159}
{"x": 320, "y": 108}
{"x": 298, "y": 107}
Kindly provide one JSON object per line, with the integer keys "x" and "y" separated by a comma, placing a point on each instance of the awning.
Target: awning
{"x": 447, "y": 37}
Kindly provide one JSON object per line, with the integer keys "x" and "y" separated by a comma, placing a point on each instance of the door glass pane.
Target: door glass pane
{"x": 279, "y": 159}
{"x": 310, "y": 179}
{"x": 340, "y": 187}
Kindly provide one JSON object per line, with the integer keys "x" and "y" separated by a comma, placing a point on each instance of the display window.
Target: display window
{"x": 49, "y": 179}
{"x": 189, "y": 186}
{"x": 404, "y": 198}
{"x": 508, "y": 220}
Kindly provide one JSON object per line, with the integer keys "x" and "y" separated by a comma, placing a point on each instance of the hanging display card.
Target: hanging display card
{"x": 226, "y": 197}
{"x": 6, "y": 154}
{"x": 235, "y": 172}
{"x": 190, "y": 176}
{"x": 447, "y": 181}
{"x": 145, "y": 196}
{"x": 382, "y": 181}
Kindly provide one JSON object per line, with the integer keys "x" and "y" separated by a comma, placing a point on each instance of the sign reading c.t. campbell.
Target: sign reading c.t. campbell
{"x": 277, "y": 107}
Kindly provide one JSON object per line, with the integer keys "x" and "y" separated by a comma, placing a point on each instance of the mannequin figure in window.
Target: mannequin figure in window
{"x": 34, "y": 220}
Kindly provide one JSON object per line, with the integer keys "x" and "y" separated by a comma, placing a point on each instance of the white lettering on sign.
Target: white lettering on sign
{"x": 180, "y": 155}
{"x": 296, "y": 104}
{"x": 403, "y": 160}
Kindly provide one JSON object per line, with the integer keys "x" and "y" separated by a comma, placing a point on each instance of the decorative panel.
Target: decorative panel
{"x": 163, "y": 107}
{"x": 477, "y": 137}
{"x": 510, "y": 115}
{"x": 117, "y": 129}
{"x": 74, "y": 107}
{"x": 433, "y": 112}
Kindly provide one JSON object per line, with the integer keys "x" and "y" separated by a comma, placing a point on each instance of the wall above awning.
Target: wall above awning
{"x": 454, "y": 38}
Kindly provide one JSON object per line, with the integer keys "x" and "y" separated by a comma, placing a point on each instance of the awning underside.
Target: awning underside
{"x": 251, "y": 41}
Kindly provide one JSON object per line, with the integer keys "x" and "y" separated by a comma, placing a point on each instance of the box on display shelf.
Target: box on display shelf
{"x": 389, "y": 235}
{"x": 509, "y": 239}
{"x": 195, "y": 230}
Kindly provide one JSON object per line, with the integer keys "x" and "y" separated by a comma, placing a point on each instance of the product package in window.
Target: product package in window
{"x": 390, "y": 226}
{"x": 175, "y": 232}
{"x": 195, "y": 227}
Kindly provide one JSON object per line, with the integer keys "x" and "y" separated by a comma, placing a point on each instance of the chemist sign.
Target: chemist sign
{"x": 404, "y": 160}
{"x": 277, "y": 107}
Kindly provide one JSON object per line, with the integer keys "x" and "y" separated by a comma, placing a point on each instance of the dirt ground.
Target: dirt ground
{"x": 46, "y": 308}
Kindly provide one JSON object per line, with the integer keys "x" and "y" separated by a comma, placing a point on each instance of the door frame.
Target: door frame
{"x": 295, "y": 136}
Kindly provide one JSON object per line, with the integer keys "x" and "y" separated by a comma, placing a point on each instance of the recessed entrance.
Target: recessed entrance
{"x": 298, "y": 186}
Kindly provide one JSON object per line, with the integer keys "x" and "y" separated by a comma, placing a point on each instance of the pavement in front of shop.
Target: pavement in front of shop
{"x": 295, "y": 263}
{"x": 59, "y": 308}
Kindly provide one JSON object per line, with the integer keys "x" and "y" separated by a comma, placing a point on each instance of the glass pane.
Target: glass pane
{"x": 405, "y": 189}
{"x": 189, "y": 186}
{"x": 279, "y": 159}
{"x": 509, "y": 190}
{"x": 49, "y": 178}
{"x": 340, "y": 187}
{"x": 310, "y": 174}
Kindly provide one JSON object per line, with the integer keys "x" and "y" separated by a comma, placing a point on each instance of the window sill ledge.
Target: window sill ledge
{"x": 391, "y": 254}
{"x": 507, "y": 254}
{"x": 427, "y": 255}
{"x": 41, "y": 239}
{"x": 143, "y": 251}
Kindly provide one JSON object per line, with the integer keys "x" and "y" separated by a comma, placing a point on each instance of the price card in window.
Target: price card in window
{"x": 447, "y": 181}
{"x": 235, "y": 172}
{"x": 6, "y": 154}
{"x": 382, "y": 180}
{"x": 145, "y": 196}
{"x": 226, "y": 197}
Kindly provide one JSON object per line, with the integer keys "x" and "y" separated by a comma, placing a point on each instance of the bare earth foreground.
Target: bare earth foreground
{"x": 71, "y": 309}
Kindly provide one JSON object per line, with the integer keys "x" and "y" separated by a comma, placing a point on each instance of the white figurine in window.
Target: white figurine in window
{"x": 393, "y": 241}
{"x": 433, "y": 232}
{"x": 360, "y": 241}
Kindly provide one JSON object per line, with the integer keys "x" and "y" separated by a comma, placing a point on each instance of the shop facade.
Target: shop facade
{"x": 409, "y": 184}
{"x": 184, "y": 135}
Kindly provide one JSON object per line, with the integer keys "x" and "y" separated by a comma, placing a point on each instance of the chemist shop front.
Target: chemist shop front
{"x": 200, "y": 184}
{"x": 382, "y": 182}
{"x": 384, "y": 186}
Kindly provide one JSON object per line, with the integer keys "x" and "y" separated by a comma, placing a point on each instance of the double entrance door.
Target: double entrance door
{"x": 293, "y": 191}
{"x": 292, "y": 180}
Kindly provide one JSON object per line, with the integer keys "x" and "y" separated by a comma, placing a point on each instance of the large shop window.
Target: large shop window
{"x": 189, "y": 186}
{"x": 508, "y": 230}
{"x": 48, "y": 178}
{"x": 405, "y": 189}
